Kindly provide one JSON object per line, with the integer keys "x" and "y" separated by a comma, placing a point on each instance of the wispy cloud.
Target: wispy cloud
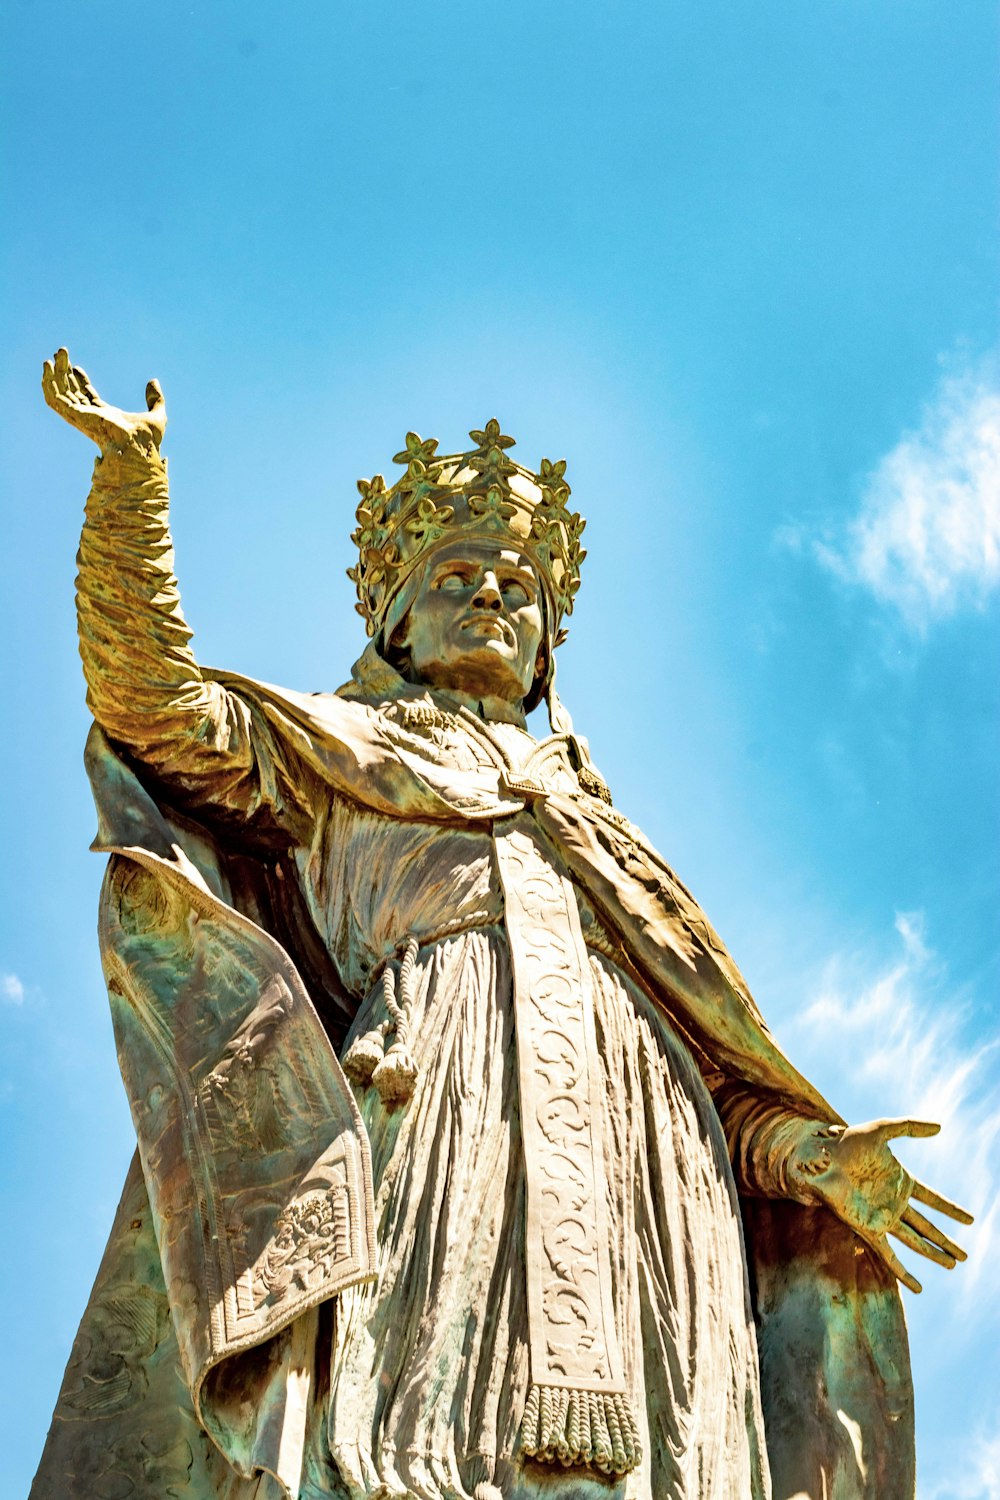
{"x": 926, "y": 539}
{"x": 12, "y": 989}
{"x": 895, "y": 1041}
{"x": 975, "y": 1474}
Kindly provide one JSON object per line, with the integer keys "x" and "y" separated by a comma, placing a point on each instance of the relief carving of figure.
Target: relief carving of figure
{"x": 467, "y": 1167}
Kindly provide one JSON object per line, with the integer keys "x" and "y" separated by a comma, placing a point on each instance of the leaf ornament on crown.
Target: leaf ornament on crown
{"x": 489, "y": 494}
{"x": 557, "y": 529}
{"x": 483, "y": 494}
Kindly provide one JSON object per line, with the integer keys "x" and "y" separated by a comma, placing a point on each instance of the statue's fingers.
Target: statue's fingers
{"x": 914, "y": 1241}
{"x": 52, "y": 381}
{"x": 931, "y": 1232}
{"x": 879, "y": 1244}
{"x": 932, "y": 1199}
{"x": 157, "y": 407}
{"x": 890, "y": 1129}
{"x": 896, "y": 1266}
{"x": 63, "y": 375}
{"x": 54, "y": 390}
{"x": 86, "y": 386}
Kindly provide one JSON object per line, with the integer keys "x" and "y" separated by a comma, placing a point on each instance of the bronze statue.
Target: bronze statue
{"x": 467, "y": 1167}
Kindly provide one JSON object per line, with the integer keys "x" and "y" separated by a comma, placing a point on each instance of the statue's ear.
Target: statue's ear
{"x": 539, "y": 679}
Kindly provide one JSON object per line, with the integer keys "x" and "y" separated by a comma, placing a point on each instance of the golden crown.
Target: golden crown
{"x": 482, "y": 492}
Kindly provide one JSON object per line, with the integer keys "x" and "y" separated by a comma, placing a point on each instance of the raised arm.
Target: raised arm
{"x": 144, "y": 687}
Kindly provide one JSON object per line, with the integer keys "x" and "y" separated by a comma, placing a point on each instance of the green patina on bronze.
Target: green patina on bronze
{"x": 454, "y": 1115}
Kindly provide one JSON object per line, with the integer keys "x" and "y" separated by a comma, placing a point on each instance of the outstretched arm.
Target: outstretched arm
{"x": 849, "y": 1169}
{"x": 144, "y": 686}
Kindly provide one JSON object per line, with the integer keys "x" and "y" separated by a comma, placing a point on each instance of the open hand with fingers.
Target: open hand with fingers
{"x": 851, "y": 1170}
{"x": 68, "y": 391}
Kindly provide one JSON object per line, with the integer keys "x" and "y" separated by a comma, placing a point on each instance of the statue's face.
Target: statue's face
{"x": 475, "y": 624}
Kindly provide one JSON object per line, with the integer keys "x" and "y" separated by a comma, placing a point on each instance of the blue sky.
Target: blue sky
{"x": 738, "y": 264}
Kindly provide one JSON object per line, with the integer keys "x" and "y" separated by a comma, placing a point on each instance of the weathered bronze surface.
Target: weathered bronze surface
{"x": 467, "y": 1167}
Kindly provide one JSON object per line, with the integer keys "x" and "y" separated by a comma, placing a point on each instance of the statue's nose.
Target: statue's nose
{"x": 487, "y": 596}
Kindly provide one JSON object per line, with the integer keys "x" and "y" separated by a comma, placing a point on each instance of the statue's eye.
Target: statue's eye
{"x": 514, "y": 591}
{"x": 451, "y": 582}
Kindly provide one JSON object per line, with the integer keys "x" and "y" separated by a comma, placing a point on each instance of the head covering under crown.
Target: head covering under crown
{"x": 481, "y": 494}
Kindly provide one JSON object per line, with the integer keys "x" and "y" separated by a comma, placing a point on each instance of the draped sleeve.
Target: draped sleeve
{"x": 197, "y": 737}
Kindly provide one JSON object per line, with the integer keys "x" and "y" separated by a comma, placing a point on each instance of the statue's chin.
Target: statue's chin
{"x": 486, "y": 672}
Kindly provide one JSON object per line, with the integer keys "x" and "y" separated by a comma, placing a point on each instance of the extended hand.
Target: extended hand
{"x": 69, "y": 392}
{"x": 852, "y": 1171}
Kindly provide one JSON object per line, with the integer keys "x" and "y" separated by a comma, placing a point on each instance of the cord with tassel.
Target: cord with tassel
{"x": 392, "y": 1069}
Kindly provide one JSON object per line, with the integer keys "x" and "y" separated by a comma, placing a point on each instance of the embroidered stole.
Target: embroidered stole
{"x": 577, "y": 1409}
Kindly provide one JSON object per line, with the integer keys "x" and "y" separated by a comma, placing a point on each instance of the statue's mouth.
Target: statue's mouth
{"x": 493, "y": 627}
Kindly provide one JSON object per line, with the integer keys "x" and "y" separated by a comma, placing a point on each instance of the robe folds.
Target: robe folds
{"x": 281, "y": 1226}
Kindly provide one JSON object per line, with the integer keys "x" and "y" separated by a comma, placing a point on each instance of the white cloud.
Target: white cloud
{"x": 12, "y": 989}
{"x": 894, "y": 1042}
{"x": 975, "y": 1475}
{"x": 927, "y": 537}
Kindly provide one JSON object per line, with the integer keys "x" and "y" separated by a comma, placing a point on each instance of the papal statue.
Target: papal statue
{"x": 467, "y": 1167}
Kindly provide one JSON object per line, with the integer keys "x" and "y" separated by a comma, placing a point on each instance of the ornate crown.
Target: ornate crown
{"x": 482, "y": 493}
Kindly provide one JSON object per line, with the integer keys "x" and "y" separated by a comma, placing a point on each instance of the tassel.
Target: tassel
{"x": 363, "y": 1056}
{"x": 396, "y": 1075}
{"x": 580, "y": 1427}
